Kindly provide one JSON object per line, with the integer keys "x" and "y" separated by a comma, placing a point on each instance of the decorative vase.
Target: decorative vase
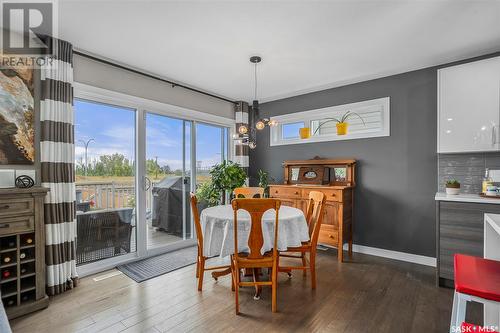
{"x": 452, "y": 190}
{"x": 305, "y": 132}
{"x": 342, "y": 128}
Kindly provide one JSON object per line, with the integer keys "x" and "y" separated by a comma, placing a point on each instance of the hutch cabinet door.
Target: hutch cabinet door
{"x": 469, "y": 107}
{"x": 331, "y": 216}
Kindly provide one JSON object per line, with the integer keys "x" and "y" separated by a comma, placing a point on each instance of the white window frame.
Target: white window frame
{"x": 276, "y": 138}
{"x": 141, "y": 106}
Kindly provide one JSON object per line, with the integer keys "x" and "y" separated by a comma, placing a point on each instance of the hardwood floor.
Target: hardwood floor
{"x": 368, "y": 294}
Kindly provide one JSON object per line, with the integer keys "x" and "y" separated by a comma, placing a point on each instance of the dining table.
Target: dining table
{"x": 217, "y": 225}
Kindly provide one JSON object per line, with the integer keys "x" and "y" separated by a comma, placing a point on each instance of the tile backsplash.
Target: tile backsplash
{"x": 468, "y": 169}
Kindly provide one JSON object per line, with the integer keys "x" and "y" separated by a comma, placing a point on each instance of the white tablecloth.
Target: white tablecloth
{"x": 218, "y": 233}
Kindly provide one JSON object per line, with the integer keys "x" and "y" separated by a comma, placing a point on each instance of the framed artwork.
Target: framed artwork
{"x": 17, "y": 116}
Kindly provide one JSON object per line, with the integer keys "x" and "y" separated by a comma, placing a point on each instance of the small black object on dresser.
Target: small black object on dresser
{"x": 22, "y": 250}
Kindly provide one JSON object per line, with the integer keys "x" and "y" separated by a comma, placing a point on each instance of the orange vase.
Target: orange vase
{"x": 305, "y": 132}
{"x": 342, "y": 128}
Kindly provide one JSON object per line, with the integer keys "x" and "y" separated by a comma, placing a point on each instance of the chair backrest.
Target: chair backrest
{"x": 315, "y": 214}
{"x": 197, "y": 223}
{"x": 248, "y": 192}
{"x": 256, "y": 208}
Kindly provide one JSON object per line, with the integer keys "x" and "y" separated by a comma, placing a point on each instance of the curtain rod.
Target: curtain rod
{"x": 174, "y": 84}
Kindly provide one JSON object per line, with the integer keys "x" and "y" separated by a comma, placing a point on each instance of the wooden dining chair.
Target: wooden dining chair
{"x": 200, "y": 259}
{"x": 248, "y": 192}
{"x": 254, "y": 259}
{"x": 314, "y": 219}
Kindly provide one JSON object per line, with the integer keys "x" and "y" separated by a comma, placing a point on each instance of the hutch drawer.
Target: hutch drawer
{"x": 16, "y": 206}
{"x": 12, "y": 225}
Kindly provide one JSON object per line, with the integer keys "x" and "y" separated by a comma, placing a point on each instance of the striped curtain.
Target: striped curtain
{"x": 241, "y": 149}
{"x": 57, "y": 155}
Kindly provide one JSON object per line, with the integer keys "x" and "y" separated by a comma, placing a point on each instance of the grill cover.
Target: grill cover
{"x": 167, "y": 205}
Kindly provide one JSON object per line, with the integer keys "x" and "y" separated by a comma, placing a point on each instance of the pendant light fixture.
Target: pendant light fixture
{"x": 247, "y": 134}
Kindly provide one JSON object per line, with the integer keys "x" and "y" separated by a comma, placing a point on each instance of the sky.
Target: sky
{"x": 113, "y": 131}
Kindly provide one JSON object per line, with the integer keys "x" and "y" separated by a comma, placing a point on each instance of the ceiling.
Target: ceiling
{"x": 305, "y": 45}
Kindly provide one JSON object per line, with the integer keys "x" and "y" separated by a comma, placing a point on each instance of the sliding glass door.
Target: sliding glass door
{"x": 134, "y": 172}
{"x": 168, "y": 180}
{"x": 105, "y": 181}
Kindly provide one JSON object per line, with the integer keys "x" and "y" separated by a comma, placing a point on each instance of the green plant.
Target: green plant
{"x": 227, "y": 176}
{"x": 343, "y": 119}
{"x": 264, "y": 181}
{"x": 207, "y": 195}
{"x": 453, "y": 183}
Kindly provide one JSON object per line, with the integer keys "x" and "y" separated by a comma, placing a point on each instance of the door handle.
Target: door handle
{"x": 147, "y": 183}
{"x": 493, "y": 135}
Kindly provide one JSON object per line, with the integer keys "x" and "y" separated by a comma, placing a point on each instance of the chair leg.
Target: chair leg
{"x": 197, "y": 266}
{"x": 237, "y": 291}
{"x": 233, "y": 280}
{"x": 304, "y": 264}
{"x": 201, "y": 273}
{"x": 461, "y": 308}
{"x": 274, "y": 290}
{"x": 454, "y": 313}
{"x": 312, "y": 268}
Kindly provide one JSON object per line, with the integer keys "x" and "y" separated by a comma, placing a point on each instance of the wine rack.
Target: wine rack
{"x": 17, "y": 270}
{"x": 22, "y": 251}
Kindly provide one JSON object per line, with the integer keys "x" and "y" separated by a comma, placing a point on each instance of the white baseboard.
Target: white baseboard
{"x": 403, "y": 256}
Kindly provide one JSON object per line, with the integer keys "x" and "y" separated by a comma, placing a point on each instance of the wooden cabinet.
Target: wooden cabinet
{"x": 336, "y": 229}
{"x": 469, "y": 107}
{"x": 22, "y": 250}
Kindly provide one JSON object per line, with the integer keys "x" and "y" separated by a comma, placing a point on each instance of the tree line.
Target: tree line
{"x": 120, "y": 166}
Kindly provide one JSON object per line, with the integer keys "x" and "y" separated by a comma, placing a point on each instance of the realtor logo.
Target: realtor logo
{"x": 22, "y": 25}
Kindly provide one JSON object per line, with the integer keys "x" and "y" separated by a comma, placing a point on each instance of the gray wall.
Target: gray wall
{"x": 394, "y": 199}
{"x": 104, "y": 76}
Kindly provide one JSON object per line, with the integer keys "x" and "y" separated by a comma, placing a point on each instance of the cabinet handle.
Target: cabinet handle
{"x": 493, "y": 135}
{"x": 296, "y": 192}
{"x": 5, "y": 207}
{"x": 4, "y": 225}
{"x": 331, "y": 236}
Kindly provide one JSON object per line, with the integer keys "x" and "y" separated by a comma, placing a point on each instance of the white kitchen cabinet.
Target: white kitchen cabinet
{"x": 469, "y": 107}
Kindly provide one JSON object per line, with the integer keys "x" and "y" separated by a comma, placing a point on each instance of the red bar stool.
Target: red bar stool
{"x": 476, "y": 279}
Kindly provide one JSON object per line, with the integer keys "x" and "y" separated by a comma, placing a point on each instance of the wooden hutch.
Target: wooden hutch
{"x": 336, "y": 179}
{"x": 22, "y": 250}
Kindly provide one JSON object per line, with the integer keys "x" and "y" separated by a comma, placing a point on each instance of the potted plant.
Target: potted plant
{"x": 452, "y": 187}
{"x": 226, "y": 176}
{"x": 342, "y": 124}
{"x": 264, "y": 182}
{"x": 207, "y": 195}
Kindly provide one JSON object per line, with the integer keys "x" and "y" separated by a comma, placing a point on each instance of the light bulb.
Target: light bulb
{"x": 243, "y": 129}
{"x": 260, "y": 125}
{"x": 252, "y": 145}
{"x": 273, "y": 122}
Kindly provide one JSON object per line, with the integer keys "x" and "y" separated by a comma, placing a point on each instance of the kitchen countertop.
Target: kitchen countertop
{"x": 462, "y": 197}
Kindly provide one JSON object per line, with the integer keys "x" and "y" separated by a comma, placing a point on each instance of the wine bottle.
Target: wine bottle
{"x": 6, "y": 273}
{"x": 29, "y": 240}
{"x": 23, "y": 270}
{"x": 22, "y": 255}
{"x": 11, "y": 244}
{"x": 10, "y": 302}
{"x": 6, "y": 259}
{"x": 25, "y": 298}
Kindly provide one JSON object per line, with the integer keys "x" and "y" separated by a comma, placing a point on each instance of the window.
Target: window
{"x": 291, "y": 130}
{"x": 373, "y": 121}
